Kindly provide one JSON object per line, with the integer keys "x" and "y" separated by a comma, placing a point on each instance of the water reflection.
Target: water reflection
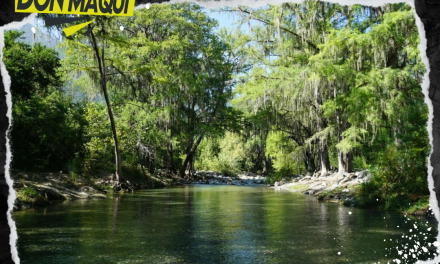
{"x": 211, "y": 224}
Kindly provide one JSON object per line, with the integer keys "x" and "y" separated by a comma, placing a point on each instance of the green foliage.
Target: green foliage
{"x": 276, "y": 100}
{"x": 226, "y": 155}
{"x": 284, "y": 154}
{"x": 360, "y": 163}
{"x": 421, "y": 204}
{"x": 207, "y": 154}
{"x": 33, "y": 70}
{"x": 398, "y": 179}
{"x": 47, "y": 125}
{"x": 30, "y": 194}
{"x": 98, "y": 140}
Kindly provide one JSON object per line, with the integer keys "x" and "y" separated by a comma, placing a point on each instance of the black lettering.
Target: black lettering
{"x": 60, "y": 3}
{"x": 43, "y": 6}
{"x": 126, "y": 6}
{"x": 23, "y": 6}
{"x": 76, "y": 5}
{"x": 107, "y": 8}
{"x": 118, "y": 10}
{"x": 90, "y": 5}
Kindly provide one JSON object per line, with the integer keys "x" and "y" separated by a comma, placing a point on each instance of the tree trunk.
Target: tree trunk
{"x": 345, "y": 162}
{"x": 264, "y": 171}
{"x": 188, "y": 163}
{"x": 118, "y": 172}
{"x": 309, "y": 162}
{"x": 103, "y": 83}
{"x": 322, "y": 149}
{"x": 170, "y": 160}
{"x": 151, "y": 164}
{"x": 324, "y": 159}
{"x": 396, "y": 134}
{"x": 190, "y": 166}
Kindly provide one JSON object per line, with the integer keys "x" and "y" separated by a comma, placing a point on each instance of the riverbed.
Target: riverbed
{"x": 218, "y": 224}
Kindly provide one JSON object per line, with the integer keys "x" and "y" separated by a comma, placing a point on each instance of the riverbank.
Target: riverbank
{"x": 334, "y": 187}
{"x": 214, "y": 178}
{"x": 330, "y": 187}
{"x": 41, "y": 189}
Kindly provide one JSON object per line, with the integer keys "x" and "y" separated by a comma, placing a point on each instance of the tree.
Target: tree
{"x": 181, "y": 70}
{"x": 47, "y": 125}
{"x": 81, "y": 49}
{"x": 316, "y": 68}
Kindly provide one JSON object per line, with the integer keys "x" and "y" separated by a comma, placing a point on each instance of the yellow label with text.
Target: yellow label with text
{"x": 79, "y": 7}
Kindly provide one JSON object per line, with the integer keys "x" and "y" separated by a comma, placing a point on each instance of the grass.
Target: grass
{"x": 421, "y": 205}
{"x": 335, "y": 191}
{"x": 299, "y": 187}
{"x": 29, "y": 194}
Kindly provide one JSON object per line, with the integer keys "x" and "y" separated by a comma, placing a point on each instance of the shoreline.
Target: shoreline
{"x": 43, "y": 189}
{"x": 337, "y": 188}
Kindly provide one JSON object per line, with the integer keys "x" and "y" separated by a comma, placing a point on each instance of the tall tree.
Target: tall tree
{"x": 313, "y": 64}
{"x": 181, "y": 69}
{"x": 90, "y": 55}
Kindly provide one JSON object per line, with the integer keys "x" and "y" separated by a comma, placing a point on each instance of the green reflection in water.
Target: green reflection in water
{"x": 211, "y": 224}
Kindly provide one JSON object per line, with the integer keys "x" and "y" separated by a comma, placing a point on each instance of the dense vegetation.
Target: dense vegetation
{"x": 309, "y": 88}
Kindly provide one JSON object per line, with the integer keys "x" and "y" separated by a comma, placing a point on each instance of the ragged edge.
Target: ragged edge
{"x": 425, "y": 89}
{"x": 7, "y": 82}
{"x": 216, "y": 4}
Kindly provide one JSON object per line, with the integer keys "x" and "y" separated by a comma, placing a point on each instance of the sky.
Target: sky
{"x": 224, "y": 19}
{"x": 227, "y": 19}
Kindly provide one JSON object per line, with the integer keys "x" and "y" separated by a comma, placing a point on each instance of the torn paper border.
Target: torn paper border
{"x": 216, "y": 4}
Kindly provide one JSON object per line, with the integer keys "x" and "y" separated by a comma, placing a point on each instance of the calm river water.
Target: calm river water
{"x": 217, "y": 224}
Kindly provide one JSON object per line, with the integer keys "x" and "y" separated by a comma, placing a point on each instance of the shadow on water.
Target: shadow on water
{"x": 217, "y": 224}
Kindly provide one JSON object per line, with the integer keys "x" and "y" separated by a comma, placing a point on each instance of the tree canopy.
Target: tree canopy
{"x": 310, "y": 88}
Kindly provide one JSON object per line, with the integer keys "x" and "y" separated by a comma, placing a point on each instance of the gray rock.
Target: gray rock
{"x": 364, "y": 174}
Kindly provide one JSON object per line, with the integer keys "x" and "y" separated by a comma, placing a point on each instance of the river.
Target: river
{"x": 217, "y": 224}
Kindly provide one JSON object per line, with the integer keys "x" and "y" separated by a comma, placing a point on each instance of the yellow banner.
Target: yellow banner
{"x": 79, "y": 7}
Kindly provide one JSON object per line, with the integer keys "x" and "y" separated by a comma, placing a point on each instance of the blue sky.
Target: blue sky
{"x": 224, "y": 19}
{"x": 227, "y": 19}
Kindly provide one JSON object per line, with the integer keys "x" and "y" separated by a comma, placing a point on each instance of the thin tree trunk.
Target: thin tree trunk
{"x": 309, "y": 162}
{"x": 189, "y": 158}
{"x": 170, "y": 160}
{"x": 264, "y": 167}
{"x": 344, "y": 160}
{"x": 140, "y": 162}
{"x": 322, "y": 146}
{"x": 190, "y": 165}
{"x": 323, "y": 156}
{"x": 103, "y": 84}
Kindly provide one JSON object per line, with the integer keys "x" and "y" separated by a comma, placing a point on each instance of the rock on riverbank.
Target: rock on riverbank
{"x": 332, "y": 186}
{"x": 45, "y": 188}
{"x": 214, "y": 178}
{"x": 34, "y": 189}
